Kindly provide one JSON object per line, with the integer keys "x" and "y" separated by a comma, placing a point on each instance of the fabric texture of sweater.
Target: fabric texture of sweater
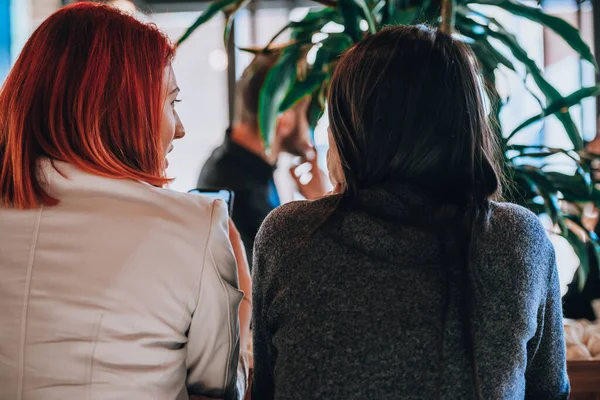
{"x": 351, "y": 304}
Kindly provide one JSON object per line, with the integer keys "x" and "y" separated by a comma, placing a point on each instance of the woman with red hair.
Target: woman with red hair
{"x": 112, "y": 287}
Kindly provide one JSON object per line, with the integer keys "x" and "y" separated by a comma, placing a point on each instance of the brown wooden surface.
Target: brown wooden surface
{"x": 585, "y": 379}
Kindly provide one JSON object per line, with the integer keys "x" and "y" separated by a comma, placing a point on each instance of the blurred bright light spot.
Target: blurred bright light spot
{"x": 318, "y": 37}
{"x": 297, "y": 14}
{"x": 333, "y": 27}
{"x": 218, "y": 60}
{"x": 477, "y": 18}
{"x": 462, "y": 38}
{"x": 311, "y": 56}
{"x": 478, "y": 30}
{"x": 124, "y": 5}
{"x": 486, "y": 100}
{"x": 364, "y": 26}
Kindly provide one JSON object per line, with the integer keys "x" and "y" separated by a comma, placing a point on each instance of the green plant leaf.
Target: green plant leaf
{"x": 549, "y": 91}
{"x": 495, "y": 107}
{"x": 571, "y": 129}
{"x": 562, "y": 28}
{"x": 496, "y": 30}
{"x": 510, "y": 41}
{"x": 581, "y": 250}
{"x": 498, "y": 55}
{"x": 302, "y": 35}
{"x": 480, "y": 38}
{"x": 331, "y": 48}
{"x": 489, "y": 56}
{"x": 404, "y": 12}
{"x": 301, "y": 89}
{"x": 405, "y": 17}
{"x": 585, "y": 268}
{"x": 277, "y": 84}
{"x": 379, "y": 9}
{"x": 319, "y": 15}
{"x": 486, "y": 61}
{"x": 366, "y": 13}
{"x": 540, "y": 151}
{"x": 575, "y": 188}
{"x": 312, "y": 23}
{"x": 595, "y": 247}
{"x": 529, "y": 190}
{"x": 591, "y": 247}
{"x": 206, "y": 15}
{"x": 229, "y": 18}
{"x": 276, "y": 49}
{"x": 545, "y": 188}
{"x": 390, "y": 9}
{"x": 352, "y": 12}
{"x": 477, "y": 32}
{"x": 559, "y": 105}
{"x": 314, "y": 113}
{"x": 578, "y": 187}
{"x": 251, "y": 50}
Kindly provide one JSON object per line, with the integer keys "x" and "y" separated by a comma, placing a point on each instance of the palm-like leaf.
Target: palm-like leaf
{"x": 565, "y": 30}
{"x": 228, "y": 6}
{"x": 558, "y": 106}
{"x": 277, "y": 84}
{"x": 493, "y": 45}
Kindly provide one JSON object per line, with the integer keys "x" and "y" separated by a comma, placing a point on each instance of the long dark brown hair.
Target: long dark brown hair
{"x": 407, "y": 105}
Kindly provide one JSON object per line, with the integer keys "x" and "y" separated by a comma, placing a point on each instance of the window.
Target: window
{"x": 201, "y": 69}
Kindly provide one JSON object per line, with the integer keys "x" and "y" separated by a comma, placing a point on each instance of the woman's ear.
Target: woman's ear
{"x": 338, "y": 189}
{"x": 334, "y": 165}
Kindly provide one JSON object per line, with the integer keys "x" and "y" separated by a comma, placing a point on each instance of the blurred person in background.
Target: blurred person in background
{"x": 409, "y": 282}
{"x": 244, "y": 165}
{"x": 112, "y": 287}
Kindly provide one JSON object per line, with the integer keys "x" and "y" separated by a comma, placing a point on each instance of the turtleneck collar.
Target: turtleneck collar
{"x": 407, "y": 203}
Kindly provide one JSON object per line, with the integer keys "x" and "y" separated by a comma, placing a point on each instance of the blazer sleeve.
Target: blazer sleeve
{"x": 213, "y": 337}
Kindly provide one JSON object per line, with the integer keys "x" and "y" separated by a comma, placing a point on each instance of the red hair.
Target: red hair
{"x": 87, "y": 90}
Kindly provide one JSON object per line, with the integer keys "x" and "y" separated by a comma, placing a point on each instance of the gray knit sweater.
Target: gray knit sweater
{"x": 351, "y": 305}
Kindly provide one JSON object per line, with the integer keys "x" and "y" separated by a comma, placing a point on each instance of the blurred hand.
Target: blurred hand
{"x": 312, "y": 182}
{"x": 245, "y": 281}
{"x": 589, "y": 216}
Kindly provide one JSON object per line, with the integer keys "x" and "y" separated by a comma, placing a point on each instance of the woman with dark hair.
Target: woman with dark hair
{"x": 409, "y": 281}
{"x": 111, "y": 287}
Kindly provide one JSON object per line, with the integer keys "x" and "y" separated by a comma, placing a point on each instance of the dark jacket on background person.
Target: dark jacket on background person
{"x": 233, "y": 167}
{"x": 350, "y": 306}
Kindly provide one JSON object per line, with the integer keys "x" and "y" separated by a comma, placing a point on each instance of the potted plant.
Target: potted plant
{"x": 560, "y": 196}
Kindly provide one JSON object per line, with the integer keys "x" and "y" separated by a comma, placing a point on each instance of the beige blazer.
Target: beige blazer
{"x": 122, "y": 291}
